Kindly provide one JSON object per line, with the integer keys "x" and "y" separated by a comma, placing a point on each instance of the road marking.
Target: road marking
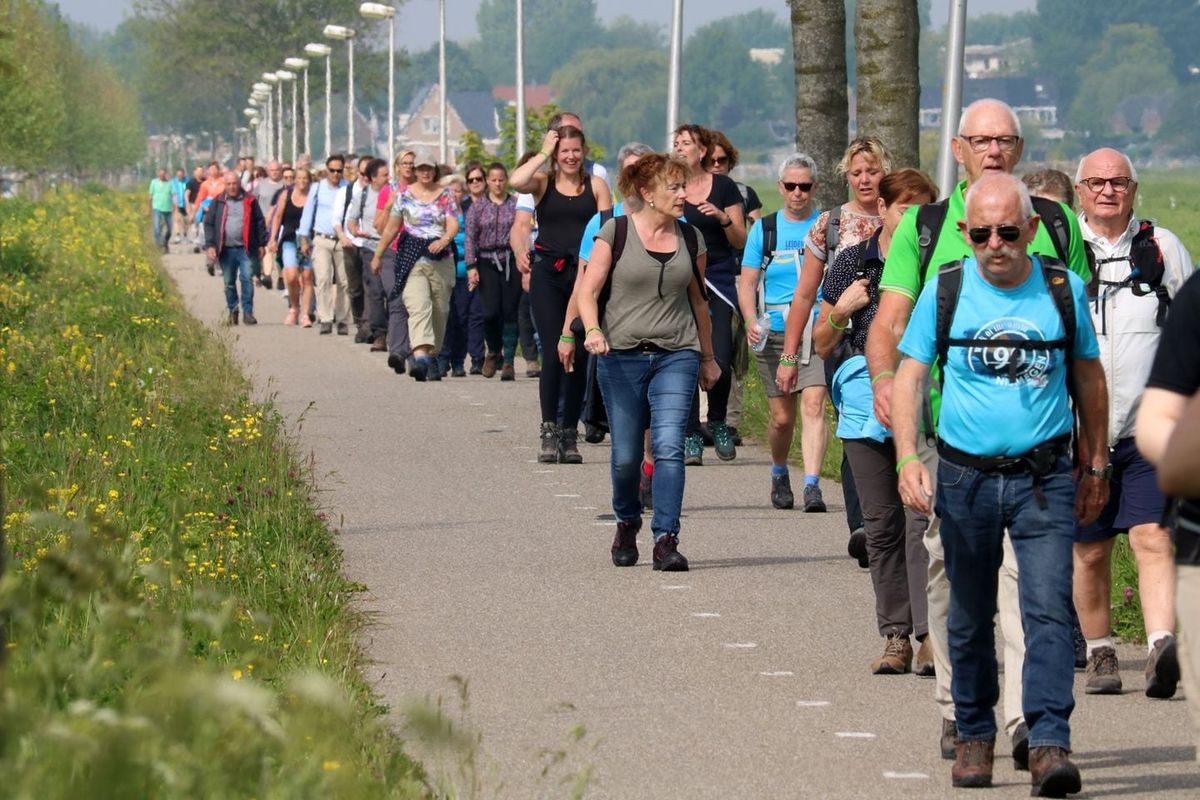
{"x": 854, "y": 735}
{"x": 583, "y": 508}
{"x": 566, "y": 495}
{"x": 811, "y": 703}
{"x": 605, "y": 522}
{"x": 906, "y": 776}
{"x": 785, "y": 673}
{"x": 675, "y": 588}
{"x": 741, "y": 645}
{"x": 542, "y": 471}
{"x": 706, "y": 614}
{"x": 489, "y": 415}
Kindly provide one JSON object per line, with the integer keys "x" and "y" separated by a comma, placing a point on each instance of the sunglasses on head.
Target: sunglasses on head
{"x": 982, "y": 235}
{"x": 791, "y": 187}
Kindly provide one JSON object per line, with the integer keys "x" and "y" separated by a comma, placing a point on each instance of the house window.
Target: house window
{"x": 431, "y": 125}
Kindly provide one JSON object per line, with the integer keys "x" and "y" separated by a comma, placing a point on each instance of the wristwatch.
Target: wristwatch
{"x": 1104, "y": 473}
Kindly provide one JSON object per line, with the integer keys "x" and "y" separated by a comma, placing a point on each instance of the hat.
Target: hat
{"x": 424, "y": 158}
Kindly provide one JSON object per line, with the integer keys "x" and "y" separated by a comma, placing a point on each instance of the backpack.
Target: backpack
{"x": 931, "y": 219}
{"x": 1147, "y": 267}
{"x": 770, "y": 233}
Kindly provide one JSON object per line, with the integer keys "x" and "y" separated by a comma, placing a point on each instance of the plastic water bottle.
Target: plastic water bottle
{"x": 764, "y": 329}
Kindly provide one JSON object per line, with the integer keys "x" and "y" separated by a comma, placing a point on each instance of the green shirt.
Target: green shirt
{"x": 160, "y": 195}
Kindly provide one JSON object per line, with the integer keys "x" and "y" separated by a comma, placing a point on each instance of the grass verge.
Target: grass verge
{"x": 177, "y": 621}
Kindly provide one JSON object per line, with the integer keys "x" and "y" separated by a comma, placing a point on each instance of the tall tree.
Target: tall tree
{"x": 554, "y": 31}
{"x": 1145, "y": 69}
{"x": 886, "y": 33}
{"x": 630, "y": 103}
{"x": 822, "y": 119}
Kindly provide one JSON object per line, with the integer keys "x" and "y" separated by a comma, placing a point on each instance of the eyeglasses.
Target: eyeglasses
{"x": 1120, "y": 184}
{"x": 981, "y": 143}
{"x": 407, "y": 163}
{"x": 982, "y": 235}
{"x": 334, "y": 171}
{"x": 476, "y": 179}
{"x": 719, "y": 160}
{"x": 791, "y": 187}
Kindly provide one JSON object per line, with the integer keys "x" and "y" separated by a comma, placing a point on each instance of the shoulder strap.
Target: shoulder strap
{"x": 930, "y": 218}
{"x": 606, "y": 215}
{"x": 1059, "y": 286}
{"x": 949, "y": 287}
{"x": 770, "y": 233}
{"x": 1054, "y": 217}
{"x": 619, "y": 236}
{"x": 692, "y": 242}
{"x": 833, "y": 232}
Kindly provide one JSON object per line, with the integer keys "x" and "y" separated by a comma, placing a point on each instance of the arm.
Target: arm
{"x": 1157, "y": 420}
{"x": 304, "y": 232}
{"x": 1179, "y": 469}
{"x": 735, "y": 232}
{"x": 833, "y": 318}
{"x": 527, "y": 178}
{"x": 710, "y": 371}
{"x": 603, "y": 194}
{"x": 811, "y": 272}
{"x": 339, "y": 201}
{"x": 442, "y": 243}
{"x": 882, "y": 349}
{"x": 518, "y": 239}
{"x": 277, "y": 220}
{"x": 566, "y": 350}
{"x": 587, "y": 294}
{"x": 916, "y": 488}
{"x": 747, "y": 297}
{"x": 1092, "y": 404}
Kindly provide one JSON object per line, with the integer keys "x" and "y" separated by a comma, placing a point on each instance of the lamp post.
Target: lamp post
{"x": 277, "y": 113}
{"x": 287, "y": 76}
{"x": 956, "y": 26}
{"x": 381, "y": 11}
{"x": 520, "y": 75}
{"x": 295, "y": 64}
{"x": 342, "y": 33}
{"x": 317, "y": 50}
{"x": 442, "y": 81}
{"x": 262, "y": 92}
{"x": 673, "y": 75}
{"x": 251, "y": 115}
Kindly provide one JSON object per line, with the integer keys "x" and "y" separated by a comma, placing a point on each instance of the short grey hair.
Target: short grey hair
{"x": 632, "y": 149}
{"x": 801, "y": 160}
{"x": 984, "y": 103}
{"x": 1132, "y": 169}
{"x": 1014, "y": 185}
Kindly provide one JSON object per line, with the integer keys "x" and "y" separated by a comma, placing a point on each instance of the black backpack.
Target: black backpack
{"x": 770, "y": 234}
{"x": 1147, "y": 268}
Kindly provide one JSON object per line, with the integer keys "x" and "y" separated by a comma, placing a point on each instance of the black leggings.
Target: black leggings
{"x": 549, "y": 293}
{"x": 501, "y": 297}
{"x": 722, "y": 341}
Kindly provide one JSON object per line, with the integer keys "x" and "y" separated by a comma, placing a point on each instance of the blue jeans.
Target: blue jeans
{"x": 975, "y": 508}
{"x": 235, "y": 263}
{"x": 162, "y": 227}
{"x": 648, "y": 390}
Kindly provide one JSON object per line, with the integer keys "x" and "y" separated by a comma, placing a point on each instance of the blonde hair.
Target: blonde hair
{"x": 870, "y": 146}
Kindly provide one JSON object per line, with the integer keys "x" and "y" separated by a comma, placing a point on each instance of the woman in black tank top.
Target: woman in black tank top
{"x": 567, "y": 197}
{"x": 297, "y": 270}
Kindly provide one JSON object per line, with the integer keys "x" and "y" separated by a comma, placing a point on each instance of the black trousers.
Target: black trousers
{"x": 500, "y": 291}
{"x": 549, "y": 293}
{"x": 723, "y": 319}
{"x": 354, "y": 282}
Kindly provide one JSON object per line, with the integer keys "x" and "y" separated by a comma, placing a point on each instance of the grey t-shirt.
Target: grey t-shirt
{"x": 234, "y": 222}
{"x": 648, "y": 302}
{"x": 264, "y": 193}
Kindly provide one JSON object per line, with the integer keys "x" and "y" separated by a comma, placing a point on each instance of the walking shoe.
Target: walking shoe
{"x": 326, "y": 328}
{"x": 897, "y": 656}
{"x": 735, "y": 436}
{"x": 923, "y": 666}
{"x": 379, "y": 345}
{"x": 475, "y": 369}
{"x": 490, "y": 365}
{"x": 396, "y": 363}
{"x": 1162, "y": 669}
{"x": 419, "y": 369}
{"x": 592, "y": 434}
{"x": 973, "y": 763}
{"x": 722, "y": 441}
{"x": 292, "y": 317}
{"x": 343, "y": 329}
{"x": 305, "y": 321}
{"x": 624, "y": 546}
{"x": 1052, "y": 773}
{"x": 435, "y": 371}
{"x": 248, "y": 319}
{"x": 1103, "y": 673}
{"x": 266, "y": 282}
{"x": 814, "y": 503}
{"x": 233, "y": 318}
{"x": 646, "y": 490}
{"x": 212, "y": 270}
{"x": 1080, "y": 645}
{"x": 949, "y": 737}
{"x": 548, "y": 454}
{"x": 532, "y": 369}
{"x": 781, "y": 492}
{"x": 362, "y": 335}
{"x": 1021, "y": 747}
{"x": 693, "y": 450}
{"x": 667, "y": 556}
{"x": 857, "y": 547}
{"x": 508, "y": 373}
{"x": 568, "y": 446}
{"x": 458, "y": 372}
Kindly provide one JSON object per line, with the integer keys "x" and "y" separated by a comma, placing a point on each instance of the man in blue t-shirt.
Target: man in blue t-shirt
{"x": 1005, "y": 430}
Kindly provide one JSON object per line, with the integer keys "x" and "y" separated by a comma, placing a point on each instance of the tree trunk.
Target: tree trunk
{"x": 886, "y": 33}
{"x": 819, "y": 44}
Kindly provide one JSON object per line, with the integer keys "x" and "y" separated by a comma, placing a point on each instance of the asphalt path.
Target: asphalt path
{"x": 746, "y": 677}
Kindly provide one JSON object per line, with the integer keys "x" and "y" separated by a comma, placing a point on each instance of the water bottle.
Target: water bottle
{"x": 764, "y": 329}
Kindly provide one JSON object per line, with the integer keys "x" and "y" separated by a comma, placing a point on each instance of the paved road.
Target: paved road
{"x": 746, "y": 677}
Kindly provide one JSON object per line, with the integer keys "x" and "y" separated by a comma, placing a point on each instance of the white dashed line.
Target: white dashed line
{"x": 478, "y": 405}
{"x": 567, "y": 495}
{"x": 706, "y": 614}
{"x": 854, "y": 735}
{"x": 542, "y": 471}
{"x": 489, "y": 415}
{"x": 812, "y": 703}
{"x": 676, "y": 588}
{"x": 906, "y": 776}
{"x": 606, "y": 522}
{"x": 583, "y": 508}
{"x": 740, "y": 645}
{"x": 778, "y": 674}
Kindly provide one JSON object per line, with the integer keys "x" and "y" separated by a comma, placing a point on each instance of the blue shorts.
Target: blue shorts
{"x": 292, "y": 258}
{"x": 1133, "y": 496}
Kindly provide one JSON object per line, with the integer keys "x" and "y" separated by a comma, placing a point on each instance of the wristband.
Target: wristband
{"x": 544, "y": 154}
{"x": 565, "y": 338}
{"x": 789, "y": 360}
{"x": 704, "y": 359}
{"x": 833, "y": 324}
{"x": 595, "y": 328}
{"x": 887, "y": 373}
{"x": 908, "y": 459}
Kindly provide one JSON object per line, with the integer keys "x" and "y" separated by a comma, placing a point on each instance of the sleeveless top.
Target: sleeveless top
{"x": 290, "y": 220}
{"x": 561, "y": 219}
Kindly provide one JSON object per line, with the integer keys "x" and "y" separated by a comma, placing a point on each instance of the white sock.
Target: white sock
{"x": 1094, "y": 644}
{"x": 1153, "y": 637}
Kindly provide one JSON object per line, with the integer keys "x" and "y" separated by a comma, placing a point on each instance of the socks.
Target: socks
{"x": 1153, "y": 637}
{"x": 1094, "y": 644}
{"x": 779, "y": 470}
{"x": 812, "y": 480}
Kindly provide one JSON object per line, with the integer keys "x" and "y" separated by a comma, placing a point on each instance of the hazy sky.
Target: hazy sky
{"x": 419, "y": 17}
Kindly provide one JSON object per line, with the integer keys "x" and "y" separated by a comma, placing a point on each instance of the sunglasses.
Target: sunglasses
{"x": 791, "y": 187}
{"x": 1009, "y": 233}
{"x": 721, "y": 160}
{"x": 476, "y": 179}
{"x": 334, "y": 171}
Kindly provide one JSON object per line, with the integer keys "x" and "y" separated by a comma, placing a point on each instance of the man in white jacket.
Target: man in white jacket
{"x": 1138, "y": 268}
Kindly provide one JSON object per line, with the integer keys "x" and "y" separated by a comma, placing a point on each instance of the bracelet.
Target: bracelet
{"x": 595, "y": 328}
{"x": 567, "y": 339}
{"x": 887, "y": 373}
{"x": 544, "y": 154}
{"x": 789, "y": 359}
{"x": 833, "y": 324}
{"x": 908, "y": 459}
{"x": 705, "y": 358}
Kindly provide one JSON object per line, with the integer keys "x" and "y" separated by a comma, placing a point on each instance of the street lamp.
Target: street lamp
{"x": 673, "y": 73}
{"x": 317, "y": 50}
{"x": 294, "y": 64}
{"x": 442, "y": 80}
{"x": 344, "y": 34}
{"x": 273, "y": 80}
{"x": 286, "y": 76}
{"x": 520, "y": 148}
{"x": 381, "y": 11}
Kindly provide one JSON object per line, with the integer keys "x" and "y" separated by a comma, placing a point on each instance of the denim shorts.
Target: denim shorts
{"x": 1133, "y": 496}
{"x": 292, "y": 258}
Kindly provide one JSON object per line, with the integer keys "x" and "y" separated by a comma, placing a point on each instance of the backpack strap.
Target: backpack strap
{"x": 833, "y": 232}
{"x": 770, "y": 235}
{"x": 606, "y": 215}
{"x": 1054, "y": 217}
{"x": 930, "y": 218}
{"x": 692, "y": 242}
{"x": 949, "y": 287}
{"x": 1059, "y": 285}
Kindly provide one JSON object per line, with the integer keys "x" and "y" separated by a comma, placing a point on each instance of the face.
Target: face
{"x": 303, "y": 180}
{"x": 233, "y": 185}
{"x": 179, "y": 174}
{"x": 274, "y": 170}
{"x": 198, "y": 173}
{"x": 289, "y": 177}
{"x": 688, "y": 149}
{"x": 406, "y": 168}
{"x": 999, "y": 258}
{"x": 426, "y": 173}
{"x": 720, "y": 161}
{"x": 496, "y": 181}
{"x": 891, "y": 214}
{"x": 214, "y": 173}
{"x": 864, "y": 176}
{"x": 667, "y": 196}
{"x": 569, "y": 155}
{"x": 797, "y": 188}
{"x": 381, "y": 177}
{"x": 997, "y": 155}
{"x": 1108, "y": 204}
{"x": 476, "y": 182}
{"x": 162, "y": 174}
{"x": 334, "y": 170}
{"x": 456, "y": 191}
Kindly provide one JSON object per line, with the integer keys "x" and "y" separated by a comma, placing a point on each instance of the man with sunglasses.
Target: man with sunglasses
{"x": 1125, "y": 312}
{"x": 318, "y": 235}
{"x": 988, "y": 143}
{"x": 1008, "y": 358}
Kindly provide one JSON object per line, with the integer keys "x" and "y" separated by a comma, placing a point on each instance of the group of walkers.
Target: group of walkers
{"x": 987, "y": 357}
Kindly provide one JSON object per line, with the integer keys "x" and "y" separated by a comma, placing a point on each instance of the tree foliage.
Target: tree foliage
{"x": 1145, "y": 69}
{"x": 555, "y": 30}
{"x": 629, "y": 104}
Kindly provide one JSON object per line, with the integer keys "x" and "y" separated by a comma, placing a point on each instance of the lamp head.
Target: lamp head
{"x": 338, "y": 32}
{"x": 318, "y": 50}
{"x": 376, "y": 11}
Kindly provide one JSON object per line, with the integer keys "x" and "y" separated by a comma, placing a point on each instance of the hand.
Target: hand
{"x": 305, "y": 247}
{"x": 710, "y": 373}
{"x": 376, "y": 264}
{"x": 856, "y": 296}
{"x": 438, "y": 245}
{"x": 347, "y": 244}
{"x": 883, "y": 400}
{"x": 566, "y": 355}
{"x": 1090, "y": 499}
{"x": 754, "y": 334}
{"x": 525, "y": 281}
{"x": 522, "y": 257}
{"x": 709, "y": 210}
{"x": 916, "y": 489}
{"x": 472, "y": 279}
{"x": 272, "y": 246}
{"x": 595, "y": 343}
{"x": 211, "y": 253}
{"x": 549, "y": 143}
{"x": 786, "y": 377}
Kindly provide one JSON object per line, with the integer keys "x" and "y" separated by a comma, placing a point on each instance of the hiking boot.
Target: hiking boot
{"x": 548, "y": 453}
{"x": 1080, "y": 645}
{"x": 248, "y": 319}
{"x": 1052, "y": 773}
{"x": 722, "y": 441}
{"x": 379, "y": 345}
{"x": 624, "y": 546}
{"x": 362, "y": 335}
{"x": 814, "y": 503}
{"x": 508, "y": 373}
{"x": 233, "y": 318}
{"x": 948, "y": 738}
{"x": 781, "y": 492}
{"x": 1103, "y": 673}
{"x": 326, "y": 328}
{"x": 343, "y": 329}
{"x": 532, "y": 369}
{"x": 923, "y": 662}
{"x": 418, "y": 369}
{"x": 1021, "y": 747}
{"x": 973, "y": 763}
{"x": 667, "y": 556}
{"x": 693, "y": 450}
{"x": 897, "y": 656}
{"x": 1162, "y": 669}
{"x": 592, "y": 434}
{"x": 475, "y": 369}
{"x": 435, "y": 371}
{"x": 490, "y": 365}
{"x": 646, "y": 490}
{"x": 857, "y": 547}
{"x": 458, "y": 372}
{"x": 568, "y": 446}
{"x": 395, "y": 362}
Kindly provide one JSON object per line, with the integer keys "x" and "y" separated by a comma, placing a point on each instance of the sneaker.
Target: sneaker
{"x": 435, "y": 371}
{"x": 343, "y": 329}
{"x": 814, "y": 503}
{"x": 667, "y": 556}
{"x": 418, "y": 369}
{"x": 693, "y": 450}
{"x": 266, "y": 281}
{"x": 646, "y": 490}
{"x": 326, "y": 328}
{"x": 292, "y": 317}
{"x": 1080, "y": 645}
{"x": 490, "y": 365}
{"x": 781, "y": 492}
{"x": 897, "y": 656}
{"x": 379, "y": 345}
{"x": 362, "y": 335}
{"x": 233, "y": 318}
{"x": 923, "y": 664}
{"x": 305, "y": 321}
{"x": 973, "y": 763}
{"x": 249, "y": 319}
{"x": 212, "y": 270}
{"x": 1021, "y": 747}
{"x": 532, "y": 369}
{"x": 475, "y": 369}
{"x": 568, "y": 446}
{"x": 1052, "y": 773}
{"x": 1103, "y": 673}
{"x": 948, "y": 738}
{"x": 458, "y": 372}
{"x": 1162, "y": 669}
{"x": 548, "y": 452}
{"x": 396, "y": 363}
{"x": 722, "y": 441}
{"x": 857, "y": 547}
{"x": 624, "y": 546}
{"x": 508, "y": 373}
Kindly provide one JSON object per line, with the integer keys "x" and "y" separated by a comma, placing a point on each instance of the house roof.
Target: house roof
{"x": 477, "y": 111}
{"x": 536, "y": 95}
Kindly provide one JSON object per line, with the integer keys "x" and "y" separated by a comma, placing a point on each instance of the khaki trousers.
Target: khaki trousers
{"x": 1187, "y": 604}
{"x": 329, "y": 273}
{"x": 427, "y": 298}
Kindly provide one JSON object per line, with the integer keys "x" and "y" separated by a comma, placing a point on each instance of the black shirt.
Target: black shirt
{"x": 724, "y": 193}
{"x": 190, "y": 189}
{"x": 561, "y": 218}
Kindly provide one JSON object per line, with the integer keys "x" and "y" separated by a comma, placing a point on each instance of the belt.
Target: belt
{"x": 1039, "y": 461}
{"x": 324, "y": 236}
{"x": 643, "y": 347}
